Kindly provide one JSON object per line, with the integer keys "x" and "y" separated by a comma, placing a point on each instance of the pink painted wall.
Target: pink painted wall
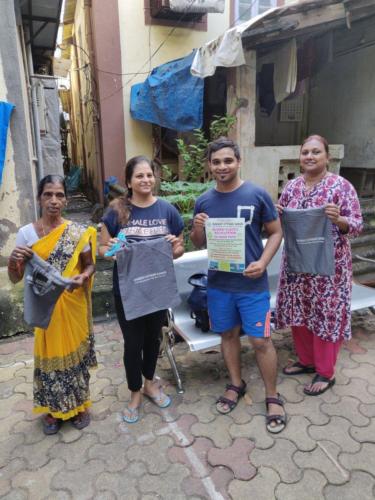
{"x": 107, "y": 58}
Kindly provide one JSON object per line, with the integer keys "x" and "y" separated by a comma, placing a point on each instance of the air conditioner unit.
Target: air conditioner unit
{"x": 197, "y": 6}
{"x": 188, "y": 10}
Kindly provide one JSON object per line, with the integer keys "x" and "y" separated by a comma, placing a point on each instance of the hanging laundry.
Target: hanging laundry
{"x": 226, "y": 50}
{"x": 285, "y": 72}
{"x": 307, "y": 59}
{"x": 6, "y": 109}
{"x": 265, "y": 89}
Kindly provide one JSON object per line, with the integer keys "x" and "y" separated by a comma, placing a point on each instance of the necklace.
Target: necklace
{"x": 310, "y": 185}
{"x": 53, "y": 226}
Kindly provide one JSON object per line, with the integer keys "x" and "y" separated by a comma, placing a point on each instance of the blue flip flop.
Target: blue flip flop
{"x": 133, "y": 416}
{"x": 162, "y": 400}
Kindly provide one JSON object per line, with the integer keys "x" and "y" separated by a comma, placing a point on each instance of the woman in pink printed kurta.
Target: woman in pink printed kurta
{"x": 318, "y": 307}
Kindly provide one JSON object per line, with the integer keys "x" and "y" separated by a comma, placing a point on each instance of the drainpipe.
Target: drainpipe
{"x": 34, "y": 107}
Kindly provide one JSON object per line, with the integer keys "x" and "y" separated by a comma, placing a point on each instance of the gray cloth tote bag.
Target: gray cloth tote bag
{"x": 43, "y": 287}
{"x": 147, "y": 278}
{"x": 308, "y": 241}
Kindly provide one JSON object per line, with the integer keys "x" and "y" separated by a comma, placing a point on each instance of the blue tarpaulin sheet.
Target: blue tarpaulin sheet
{"x": 170, "y": 97}
{"x": 6, "y": 109}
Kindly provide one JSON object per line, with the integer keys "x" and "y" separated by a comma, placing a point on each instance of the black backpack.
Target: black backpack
{"x": 198, "y": 301}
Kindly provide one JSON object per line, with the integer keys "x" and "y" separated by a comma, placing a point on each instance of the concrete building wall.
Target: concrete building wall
{"x": 341, "y": 106}
{"x": 17, "y": 191}
{"x": 17, "y": 200}
{"x": 338, "y": 103}
{"x": 138, "y": 42}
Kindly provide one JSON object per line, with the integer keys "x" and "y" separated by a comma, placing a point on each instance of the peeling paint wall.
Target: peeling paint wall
{"x": 17, "y": 192}
{"x": 342, "y": 96}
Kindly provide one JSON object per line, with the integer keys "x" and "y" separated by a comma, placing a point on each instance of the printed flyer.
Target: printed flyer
{"x": 226, "y": 244}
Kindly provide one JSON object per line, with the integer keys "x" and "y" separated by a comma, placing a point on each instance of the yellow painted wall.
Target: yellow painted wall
{"x": 84, "y": 107}
{"x": 138, "y": 41}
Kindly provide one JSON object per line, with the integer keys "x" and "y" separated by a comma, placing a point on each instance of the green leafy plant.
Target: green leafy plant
{"x": 167, "y": 174}
{"x": 182, "y": 195}
{"x": 221, "y": 126}
{"x": 194, "y": 155}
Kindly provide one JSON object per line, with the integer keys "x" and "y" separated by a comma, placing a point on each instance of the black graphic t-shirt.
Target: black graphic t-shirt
{"x": 155, "y": 221}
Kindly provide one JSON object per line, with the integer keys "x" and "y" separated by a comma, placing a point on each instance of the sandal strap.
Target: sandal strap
{"x": 227, "y": 401}
{"x": 320, "y": 378}
{"x": 275, "y": 401}
{"x": 276, "y": 418}
{"x": 238, "y": 389}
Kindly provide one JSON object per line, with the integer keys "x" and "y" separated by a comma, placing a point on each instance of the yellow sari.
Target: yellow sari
{"x": 64, "y": 351}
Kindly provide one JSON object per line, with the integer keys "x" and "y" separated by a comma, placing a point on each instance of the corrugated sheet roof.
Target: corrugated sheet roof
{"x": 42, "y": 18}
{"x": 305, "y": 16}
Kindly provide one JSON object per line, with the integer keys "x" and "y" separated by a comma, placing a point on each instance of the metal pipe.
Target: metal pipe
{"x": 51, "y": 77}
{"x": 36, "y": 126}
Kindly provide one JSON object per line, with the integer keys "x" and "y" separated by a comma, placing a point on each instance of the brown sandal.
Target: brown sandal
{"x": 81, "y": 420}
{"x": 241, "y": 390}
{"x": 51, "y": 425}
{"x": 279, "y": 420}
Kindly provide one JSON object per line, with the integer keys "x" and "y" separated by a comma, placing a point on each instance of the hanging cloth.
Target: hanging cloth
{"x": 285, "y": 72}
{"x": 6, "y": 109}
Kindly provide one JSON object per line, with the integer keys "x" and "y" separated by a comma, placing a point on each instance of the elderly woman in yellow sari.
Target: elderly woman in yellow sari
{"x": 64, "y": 351}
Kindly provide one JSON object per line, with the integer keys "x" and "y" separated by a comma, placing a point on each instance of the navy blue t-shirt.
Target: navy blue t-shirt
{"x": 155, "y": 221}
{"x": 255, "y": 205}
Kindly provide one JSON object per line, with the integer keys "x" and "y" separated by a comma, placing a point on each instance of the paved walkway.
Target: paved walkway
{"x": 188, "y": 450}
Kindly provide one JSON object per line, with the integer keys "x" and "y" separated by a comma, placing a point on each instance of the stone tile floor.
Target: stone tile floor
{"x": 188, "y": 450}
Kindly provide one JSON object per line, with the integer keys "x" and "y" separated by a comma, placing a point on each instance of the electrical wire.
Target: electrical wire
{"x": 164, "y": 41}
{"x": 136, "y": 73}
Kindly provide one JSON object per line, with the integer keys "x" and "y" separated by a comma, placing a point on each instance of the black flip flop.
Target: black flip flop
{"x": 319, "y": 378}
{"x": 301, "y": 369}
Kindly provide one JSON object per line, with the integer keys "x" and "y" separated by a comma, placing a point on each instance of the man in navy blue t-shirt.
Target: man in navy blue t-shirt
{"x": 241, "y": 301}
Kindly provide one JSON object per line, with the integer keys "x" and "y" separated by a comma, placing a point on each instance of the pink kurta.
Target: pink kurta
{"x": 321, "y": 303}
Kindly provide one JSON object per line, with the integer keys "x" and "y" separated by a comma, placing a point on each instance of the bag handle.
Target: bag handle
{"x": 38, "y": 289}
{"x": 199, "y": 280}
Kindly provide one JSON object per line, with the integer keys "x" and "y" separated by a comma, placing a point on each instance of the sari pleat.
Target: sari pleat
{"x": 64, "y": 352}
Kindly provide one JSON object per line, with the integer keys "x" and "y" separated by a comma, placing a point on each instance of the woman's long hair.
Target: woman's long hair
{"x": 122, "y": 204}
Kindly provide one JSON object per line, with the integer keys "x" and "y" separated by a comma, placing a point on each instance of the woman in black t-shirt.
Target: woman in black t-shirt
{"x": 140, "y": 215}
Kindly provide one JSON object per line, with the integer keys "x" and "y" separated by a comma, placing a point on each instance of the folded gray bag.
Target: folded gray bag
{"x": 43, "y": 286}
{"x": 308, "y": 241}
{"x": 147, "y": 278}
